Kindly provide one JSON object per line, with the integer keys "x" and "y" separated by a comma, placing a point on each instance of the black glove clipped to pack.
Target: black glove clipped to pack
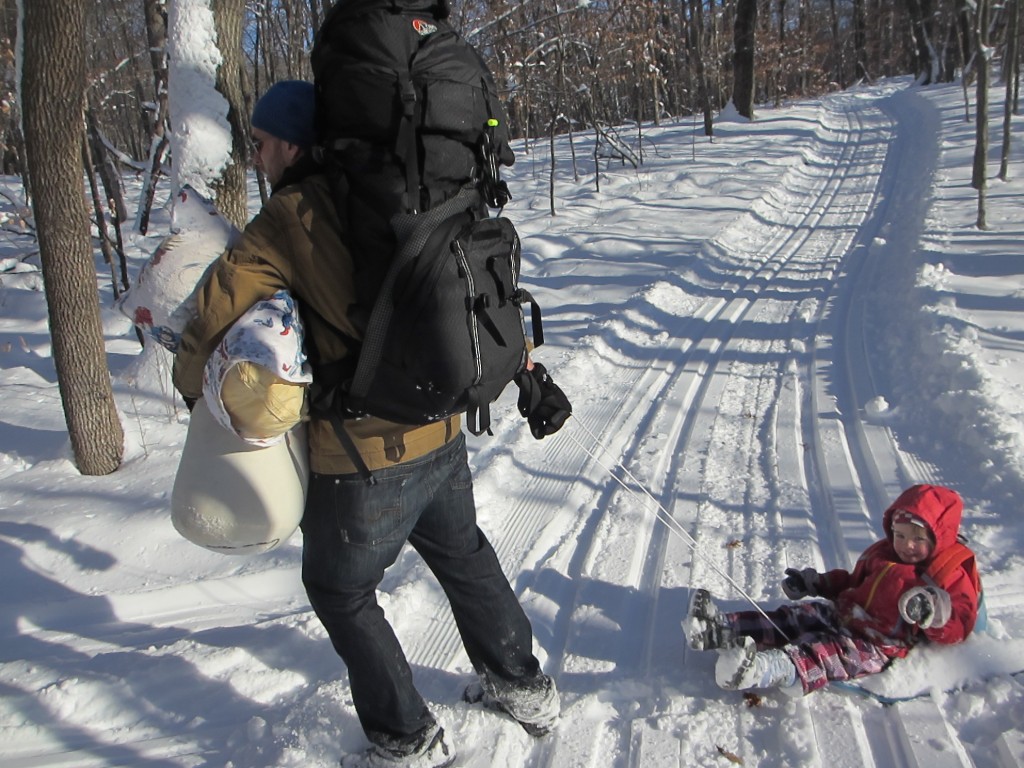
{"x": 544, "y": 405}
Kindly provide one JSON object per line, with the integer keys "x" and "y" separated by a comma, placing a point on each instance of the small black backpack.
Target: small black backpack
{"x": 412, "y": 135}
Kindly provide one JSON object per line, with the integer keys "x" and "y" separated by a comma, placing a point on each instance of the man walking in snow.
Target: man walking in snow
{"x": 423, "y": 494}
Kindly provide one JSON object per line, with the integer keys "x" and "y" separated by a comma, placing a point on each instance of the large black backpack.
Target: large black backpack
{"x": 412, "y": 135}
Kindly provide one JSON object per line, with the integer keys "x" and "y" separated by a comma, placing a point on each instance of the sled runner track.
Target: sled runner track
{"x": 889, "y": 467}
{"x": 132, "y": 624}
{"x": 698, "y": 382}
{"x": 882, "y": 467}
{"x": 867, "y": 461}
{"x": 714, "y": 386}
{"x": 781, "y": 475}
{"x": 853, "y": 493}
{"x": 841, "y": 381}
{"x": 691, "y": 378}
{"x": 693, "y": 360}
{"x": 158, "y": 752}
{"x": 802, "y": 265}
{"x": 613, "y": 540}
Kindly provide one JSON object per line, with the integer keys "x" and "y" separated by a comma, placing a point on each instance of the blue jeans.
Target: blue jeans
{"x": 353, "y": 531}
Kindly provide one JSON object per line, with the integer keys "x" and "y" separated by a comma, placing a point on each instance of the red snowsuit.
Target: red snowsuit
{"x": 867, "y": 599}
{"x": 862, "y": 630}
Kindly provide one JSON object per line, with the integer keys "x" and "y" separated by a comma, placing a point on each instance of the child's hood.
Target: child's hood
{"x": 939, "y": 507}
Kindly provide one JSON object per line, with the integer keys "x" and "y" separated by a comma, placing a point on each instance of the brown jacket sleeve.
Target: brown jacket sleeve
{"x": 238, "y": 279}
{"x": 295, "y": 244}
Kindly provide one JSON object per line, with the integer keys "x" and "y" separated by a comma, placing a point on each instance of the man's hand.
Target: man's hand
{"x": 541, "y": 401}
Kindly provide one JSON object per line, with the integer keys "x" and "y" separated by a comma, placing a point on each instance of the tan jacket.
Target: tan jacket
{"x": 294, "y": 243}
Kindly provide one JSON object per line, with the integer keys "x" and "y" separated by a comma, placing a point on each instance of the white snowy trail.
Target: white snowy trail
{"x": 730, "y": 378}
{"x": 751, "y": 398}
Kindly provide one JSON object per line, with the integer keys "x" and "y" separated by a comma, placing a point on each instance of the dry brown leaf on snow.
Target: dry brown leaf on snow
{"x": 732, "y": 758}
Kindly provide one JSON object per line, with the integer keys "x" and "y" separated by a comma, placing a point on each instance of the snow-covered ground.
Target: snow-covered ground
{"x": 765, "y": 338}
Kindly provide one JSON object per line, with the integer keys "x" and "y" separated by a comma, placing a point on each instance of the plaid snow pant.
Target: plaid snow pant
{"x": 815, "y": 640}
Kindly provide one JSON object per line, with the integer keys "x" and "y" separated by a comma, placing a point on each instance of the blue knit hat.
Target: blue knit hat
{"x": 286, "y": 111}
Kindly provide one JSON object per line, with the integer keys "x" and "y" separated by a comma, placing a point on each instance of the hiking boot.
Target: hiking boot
{"x": 742, "y": 666}
{"x": 705, "y": 627}
{"x": 429, "y": 750}
{"x": 534, "y": 703}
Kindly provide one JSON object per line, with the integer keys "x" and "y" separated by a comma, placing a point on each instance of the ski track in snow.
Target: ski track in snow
{"x": 705, "y": 405}
{"x": 782, "y": 423}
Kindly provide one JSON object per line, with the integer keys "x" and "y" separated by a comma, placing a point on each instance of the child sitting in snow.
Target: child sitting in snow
{"x": 917, "y": 584}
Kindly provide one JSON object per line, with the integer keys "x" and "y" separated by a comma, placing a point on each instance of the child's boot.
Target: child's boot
{"x": 705, "y": 627}
{"x": 742, "y": 666}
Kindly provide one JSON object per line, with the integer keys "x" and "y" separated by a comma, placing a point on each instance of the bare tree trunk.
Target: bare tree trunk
{"x": 860, "y": 37}
{"x": 1016, "y": 64}
{"x": 229, "y": 16}
{"x": 156, "y": 35}
{"x": 109, "y": 175}
{"x": 965, "y": 32}
{"x": 923, "y": 24}
{"x": 53, "y": 87}
{"x": 839, "y": 73}
{"x": 697, "y": 48}
{"x": 715, "y": 54}
{"x": 100, "y": 214}
{"x": 572, "y": 152}
{"x": 589, "y": 106}
{"x": 656, "y": 96}
{"x": 1010, "y": 75}
{"x": 98, "y": 157}
{"x": 316, "y": 12}
{"x": 551, "y": 170}
{"x": 978, "y": 177}
{"x": 743, "y": 73}
{"x": 259, "y": 51}
{"x": 962, "y": 48}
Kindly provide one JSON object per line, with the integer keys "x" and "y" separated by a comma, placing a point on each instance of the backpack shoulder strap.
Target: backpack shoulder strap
{"x": 414, "y": 231}
{"x": 949, "y": 561}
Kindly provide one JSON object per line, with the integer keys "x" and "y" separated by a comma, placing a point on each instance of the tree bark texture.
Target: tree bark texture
{"x": 229, "y": 16}
{"x": 156, "y": 36}
{"x": 743, "y": 60}
{"x": 860, "y": 37}
{"x": 1010, "y": 77}
{"x": 979, "y": 177}
{"x": 53, "y": 89}
{"x": 696, "y": 45}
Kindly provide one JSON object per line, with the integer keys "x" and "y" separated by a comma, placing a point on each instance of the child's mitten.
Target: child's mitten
{"x": 926, "y": 606}
{"x": 799, "y": 583}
